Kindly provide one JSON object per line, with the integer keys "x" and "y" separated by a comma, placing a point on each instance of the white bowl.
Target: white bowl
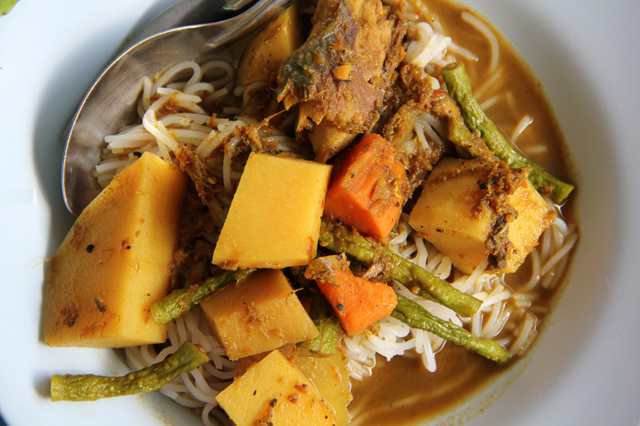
{"x": 586, "y": 53}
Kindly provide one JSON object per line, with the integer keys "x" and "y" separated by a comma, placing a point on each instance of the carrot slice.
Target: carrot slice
{"x": 357, "y": 302}
{"x": 367, "y": 188}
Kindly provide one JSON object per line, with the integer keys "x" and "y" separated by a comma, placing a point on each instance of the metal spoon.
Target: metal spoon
{"x": 110, "y": 103}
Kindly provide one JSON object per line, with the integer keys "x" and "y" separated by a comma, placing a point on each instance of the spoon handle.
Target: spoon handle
{"x": 256, "y": 16}
{"x": 235, "y": 5}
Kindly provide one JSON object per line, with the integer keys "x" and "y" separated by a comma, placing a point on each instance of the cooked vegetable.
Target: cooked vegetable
{"x": 6, "y": 6}
{"x": 468, "y": 144}
{"x": 459, "y": 88}
{"x": 368, "y": 188}
{"x": 179, "y": 302}
{"x": 469, "y": 209}
{"x": 357, "y": 302}
{"x": 328, "y": 326}
{"x": 275, "y": 214}
{"x": 329, "y": 374}
{"x": 340, "y": 239}
{"x": 274, "y": 391}
{"x": 115, "y": 261}
{"x": 416, "y": 316}
{"x": 89, "y": 387}
{"x": 327, "y": 139}
{"x": 257, "y": 315}
{"x": 274, "y": 43}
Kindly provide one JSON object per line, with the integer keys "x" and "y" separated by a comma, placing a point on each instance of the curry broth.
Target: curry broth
{"x": 520, "y": 91}
{"x": 402, "y": 391}
{"x": 407, "y": 394}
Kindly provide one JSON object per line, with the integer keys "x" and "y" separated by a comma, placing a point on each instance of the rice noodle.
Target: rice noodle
{"x": 522, "y": 125}
{"x": 489, "y": 35}
{"x": 165, "y": 134}
{"x": 197, "y": 388}
{"x": 429, "y": 48}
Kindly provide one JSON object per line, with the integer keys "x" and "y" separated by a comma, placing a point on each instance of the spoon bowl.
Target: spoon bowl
{"x": 111, "y": 102}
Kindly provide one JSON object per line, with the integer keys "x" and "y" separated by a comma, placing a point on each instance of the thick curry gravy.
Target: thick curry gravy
{"x": 402, "y": 391}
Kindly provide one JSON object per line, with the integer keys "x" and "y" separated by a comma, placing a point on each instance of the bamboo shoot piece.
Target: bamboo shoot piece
{"x": 274, "y": 391}
{"x": 274, "y": 218}
{"x": 116, "y": 261}
{"x": 257, "y": 315}
{"x": 471, "y": 209}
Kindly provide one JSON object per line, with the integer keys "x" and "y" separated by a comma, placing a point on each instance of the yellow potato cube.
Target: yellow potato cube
{"x": 534, "y": 216}
{"x": 258, "y": 315}
{"x": 274, "y": 391}
{"x": 451, "y": 216}
{"x": 331, "y": 377}
{"x": 329, "y": 374}
{"x": 274, "y": 218}
{"x": 443, "y": 214}
{"x": 274, "y": 43}
{"x": 115, "y": 261}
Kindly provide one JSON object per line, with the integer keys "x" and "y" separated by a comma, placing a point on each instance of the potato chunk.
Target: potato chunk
{"x": 331, "y": 377}
{"x": 274, "y": 391}
{"x": 274, "y": 43}
{"x": 115, "y": 261}
{"x": 274, "y": 218}
{"x": 258, "y": 315}
{"x": 454, "y": 214}
{"x": 329, "y": 374}
{"x": 534, "y": 216}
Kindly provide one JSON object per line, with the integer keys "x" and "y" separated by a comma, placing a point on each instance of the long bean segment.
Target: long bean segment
{"x": 459, "y": 89}
{"x": 89, "y": 387}
{"x": 320, "y": 311}
{"x": 416, "y": 316}
{"x": 340, "y": 239}
{"x": 182, "y": 301}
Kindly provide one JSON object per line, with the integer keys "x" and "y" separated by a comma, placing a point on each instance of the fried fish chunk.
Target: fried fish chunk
{"x": 340, "y": 74}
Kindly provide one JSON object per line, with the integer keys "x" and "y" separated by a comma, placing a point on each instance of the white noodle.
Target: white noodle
{"x": 429, "y": 48}
{"x": 489, "y": 35}
{"x": 522, "y": 125}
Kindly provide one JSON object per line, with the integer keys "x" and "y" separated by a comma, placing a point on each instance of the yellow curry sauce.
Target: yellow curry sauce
{"x": 402, "y": 391}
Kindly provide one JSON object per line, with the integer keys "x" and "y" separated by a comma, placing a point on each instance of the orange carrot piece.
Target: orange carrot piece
{"x": 367, "y": 188}
{"x": 358, "y": 303}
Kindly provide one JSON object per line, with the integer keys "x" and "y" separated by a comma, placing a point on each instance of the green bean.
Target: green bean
{"x": 459, "y": 89}
{"x": 182, "y": 301}
{"x": 328, "y": 325}
{"x": 340, "y": 239}
{"x": 89, "y": 387}
{"x": 416, "y": 316}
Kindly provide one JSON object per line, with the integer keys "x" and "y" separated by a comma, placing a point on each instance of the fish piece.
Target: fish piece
{"x": 340, "y": 74}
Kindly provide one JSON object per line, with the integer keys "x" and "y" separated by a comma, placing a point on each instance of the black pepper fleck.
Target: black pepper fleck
{"x": 90, "y": 248}
{"x": 100, "y": 307}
